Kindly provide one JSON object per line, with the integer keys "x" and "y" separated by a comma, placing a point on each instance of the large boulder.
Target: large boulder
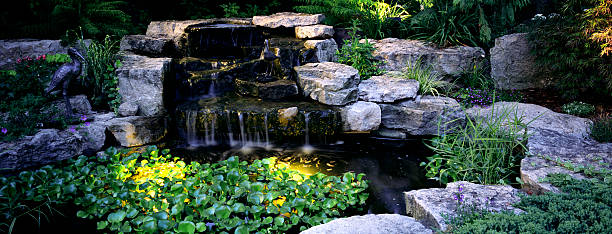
{"x": 428, "y": 205}
{"x": 361, "y": 116}
{"x": 46, "y": 146}
{"x": 138, "y": 130}
{"x": 398, "y": 53}
{"x": 146, "y": 45}
{"x": 11, "y": 50}
{"x": 387, "y": 89}
{"x": 329, "y": 83}
{"x": 423, "y": 116}
{"x": 371, "y": 223}
{"x": 288, "y": 20}
{"x": 141, "y": 80}
{"x": 513, "y": 66}
{"x": 319, "y": 31}
{"x": 325, "y": 50}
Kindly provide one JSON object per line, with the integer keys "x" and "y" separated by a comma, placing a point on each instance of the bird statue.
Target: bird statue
{"x": 267, "y": 54}
{"x": 61, "y": 78}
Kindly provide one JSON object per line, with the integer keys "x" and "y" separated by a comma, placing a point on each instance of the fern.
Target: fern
{"x": 96, "y": 17}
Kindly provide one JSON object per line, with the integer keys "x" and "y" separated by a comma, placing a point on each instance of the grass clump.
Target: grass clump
{"x": 429, "y": 81}
{"x": 584, "y": 206}
{"x": 487, "y": 150}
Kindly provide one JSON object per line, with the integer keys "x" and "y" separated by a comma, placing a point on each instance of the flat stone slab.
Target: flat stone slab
{"x": 318, "y": 31}
{"x": 329, "y": 83}
{"x": 372, "y": 223}
{"x": 141, "y": 80}
{"x": 275, "y": 90}
{"x": 387, "y": 89}
{"x": 361, "y": 116}
{"x": 138, "y": 130}
{"x": 421, "y": 116}
{"x": 397, "y": 53}
{"x": 288, "y": 20}
{"x": 428, "y": 205}
{"x": 145, "y": 45}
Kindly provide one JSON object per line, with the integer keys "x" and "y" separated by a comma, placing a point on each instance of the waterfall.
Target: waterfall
{"x": 307, "y": 148}
{"x": 229, "y": 129}
{"x": 191, "y": 131}
{"x": 243, "y": 136}
{"x": 267, "y": 145}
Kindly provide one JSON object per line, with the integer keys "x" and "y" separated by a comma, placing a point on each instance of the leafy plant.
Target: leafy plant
{"x": 477, "y": 78}
{"x": 582, "y": 207}
{"x": 97, "y": 18}
{"x": 151, "y": 191}
{"x": 102, "y": 62}
{"x": 445, "y": 25}
{"x": 429, "y": 82}
{"x": 601, "y": 130}
{"x": 487, "y": 150}
{"x": 359, "y": 55}
{"x": 578, "y": 108}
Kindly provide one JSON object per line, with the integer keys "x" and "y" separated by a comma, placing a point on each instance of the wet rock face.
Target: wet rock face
{"x": 314, "y": 32}
{"x": 138, "y": 130}
{"x": 329, "y": 83}
{"x": 288, "y": 20}
{"x": 387, "y": 89}
{"x": 361, "y": 116}
{"x": 397, "y": 53}
{"x": 513, "y": 66}
{"x": 381, "y": 223}
{"x": 275, "y": 90}
{"x": 421, "y": 116}
{"x": 428, "y": 205}
{"x": 141, "y": 80}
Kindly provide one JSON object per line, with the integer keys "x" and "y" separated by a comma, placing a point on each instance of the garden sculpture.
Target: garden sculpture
{"x": 63, "y": 75}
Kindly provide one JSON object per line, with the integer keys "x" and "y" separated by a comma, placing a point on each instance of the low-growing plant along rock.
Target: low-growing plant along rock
{"x": 578, "y": 109}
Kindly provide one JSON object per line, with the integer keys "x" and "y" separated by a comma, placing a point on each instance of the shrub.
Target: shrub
{"x": 583, "y": 207}
{"x": 445, "y": 25}
{"x": 359, "y": 55}
{"x": 487, "y": 150}
{"x": 102, "y": 62}
{"x": 601, "y": 130}
{"x": 578, "y": 108}
{"x": 429, "y": 82}
{"x": 154, "y": 192}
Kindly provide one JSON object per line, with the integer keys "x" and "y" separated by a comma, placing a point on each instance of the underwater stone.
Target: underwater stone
{"x": 361, "y": 116}
{"x": 325, "y": 50}
{"x": 275, "y": 90}
{"x": 145, "y": 45}
{"x": 329, "y": 83}
{"x": 421, "y": 116}
{"x": 314, "y": 32}
{"x": 371, "y": 223}
{"x": 141, "y": 81}
{"x": 128, "y": 109}
{"x": 428, "y": 205}
{"x": 288, "y": 20}
{"x": 138, "y": 130}
{"x": 387, "y": 88}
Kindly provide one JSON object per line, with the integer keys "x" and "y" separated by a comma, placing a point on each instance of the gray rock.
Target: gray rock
{"x": 145, "y": 45}
{"x": 141, "y": 81}
{"x": 372, "y": 223}
{"x": 138, "y": 130}
{"x": 552, "y": 149}
{"x": 288, "y": 20}
{"x": 541, "y": 118}
{"x": 514, "y": 67}
{"x": 275, "y": 90}
{"x": 128, "y": 109}
{"x": 93, "y": 135}
{"x": 79, "y": 103}
{"x": 319, "y": 31}
{"x": 428, "y": 205}
{"x": 325, "y": 50}
{"x": 397, "y": 53}
{"x": 329, "y": 83}
{"x": 361, "y": 116}
{"x": 46, "y": 146}
{"x": 11, "y": 50}
{"x": 103, "y": 117}
{"x": 422, "y": 116}
{"x": 387, "y": 89}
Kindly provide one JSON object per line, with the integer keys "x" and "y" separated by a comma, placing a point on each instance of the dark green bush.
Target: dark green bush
{"x": 359, "y": 55}
{"x": 154, "y": 192}
{"x": 583, "y": 207}
{"x": 601, "y": 130}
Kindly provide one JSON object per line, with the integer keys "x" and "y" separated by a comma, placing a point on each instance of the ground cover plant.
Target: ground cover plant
{"x": 583, "y": 206}
{"x": 152, "y": 191}
{"x": 487, "y": 150}
{"x": 578, "y": 109}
